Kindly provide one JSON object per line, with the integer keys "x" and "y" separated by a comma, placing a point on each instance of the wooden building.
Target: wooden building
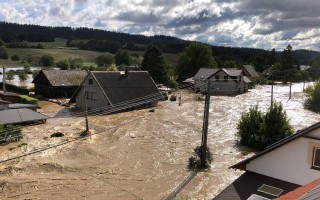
{"x": 58, "y": 83}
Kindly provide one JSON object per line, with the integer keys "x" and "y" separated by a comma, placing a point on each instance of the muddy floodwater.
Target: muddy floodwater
{"x": 137, "y": 154}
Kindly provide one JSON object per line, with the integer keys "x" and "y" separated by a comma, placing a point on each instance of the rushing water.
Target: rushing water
{"x": 146, "y": 156}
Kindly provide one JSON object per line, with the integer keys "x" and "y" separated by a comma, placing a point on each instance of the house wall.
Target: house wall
{"x": 100, "y": 100}
{"x": 223, "y": 86}
{"x": 291, "y": 162}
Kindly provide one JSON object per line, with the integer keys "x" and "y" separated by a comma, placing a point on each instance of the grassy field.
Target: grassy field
{"x": 59, "y": 51}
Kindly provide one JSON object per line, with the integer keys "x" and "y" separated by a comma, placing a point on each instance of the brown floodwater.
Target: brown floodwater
{"x": 138, "y": 154}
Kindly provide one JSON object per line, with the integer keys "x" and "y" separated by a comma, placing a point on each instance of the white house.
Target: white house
{"x": 282, "y": 167}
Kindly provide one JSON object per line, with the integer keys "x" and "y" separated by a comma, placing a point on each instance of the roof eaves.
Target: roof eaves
{"x": 278, "y": 144}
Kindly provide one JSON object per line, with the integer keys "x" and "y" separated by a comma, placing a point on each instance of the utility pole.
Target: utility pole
{"x": 272, "y": 89}
{"x": 205, "y": 127}
{"x": 4, "y": 79}
{"x": 86, "y": 108}
{"x": 304, "y": 79}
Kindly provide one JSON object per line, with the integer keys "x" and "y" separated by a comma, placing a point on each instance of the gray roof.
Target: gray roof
{"x": 63, "y": 77}
{"x": 120, "y": 87}
{"x": 246, "y": 80}
{"x": 21, "y": 115}
{"x": 205, "y": 73}
{"x": 250, "y": 69}
{"x": 232, "y": 71}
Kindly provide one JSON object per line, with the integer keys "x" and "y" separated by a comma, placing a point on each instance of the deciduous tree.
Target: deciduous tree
{"x": 194, "y": 57}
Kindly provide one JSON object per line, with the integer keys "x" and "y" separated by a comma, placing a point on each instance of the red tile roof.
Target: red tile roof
{"x": 301, "y": 191}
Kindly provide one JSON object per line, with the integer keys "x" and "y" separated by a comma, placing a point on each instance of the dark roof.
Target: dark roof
{"x": 120, "y": 87}
{"x": 249, "y": 183}
{"x": 310, "y": 191}
{"x": 21, "y": 115}
{"x": 298, "y": 134}
{"x": 250, "y": 69}
{"x": 63, "y": 77}
{"x": 205, "y": 73}
{"x": 11, "y": 94}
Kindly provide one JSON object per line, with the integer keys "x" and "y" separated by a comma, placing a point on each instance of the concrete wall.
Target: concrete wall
{"x": 99, "y": 102}
{"x": 291, "y": 162}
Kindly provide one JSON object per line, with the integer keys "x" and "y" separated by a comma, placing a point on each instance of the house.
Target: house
{"x": 250, "y": 72}
{"x": 58, "y": 83}
{"x": 21, "y": 116}
{"x": 116, "y": 91}
{"x": 225, "y": 81}
{"x": 281, "y": 168}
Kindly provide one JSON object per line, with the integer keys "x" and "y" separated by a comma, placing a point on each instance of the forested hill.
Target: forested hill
{"x": 101, "y": 40}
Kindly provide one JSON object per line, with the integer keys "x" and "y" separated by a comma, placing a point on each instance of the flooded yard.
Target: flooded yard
{"x": 137, "y": 154}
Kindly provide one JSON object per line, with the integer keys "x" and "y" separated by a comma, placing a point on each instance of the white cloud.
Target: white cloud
{"x": 263, "y": 24}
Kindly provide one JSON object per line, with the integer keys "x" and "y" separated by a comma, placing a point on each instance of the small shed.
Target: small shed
{"x": 58, "y": 83}
{"x": 21, "y": 116}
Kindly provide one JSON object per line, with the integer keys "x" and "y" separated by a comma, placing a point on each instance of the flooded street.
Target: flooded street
{"x": 138, "y": 154}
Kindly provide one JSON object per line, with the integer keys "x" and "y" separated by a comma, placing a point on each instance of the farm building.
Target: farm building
{"x": 225, "y": 81}
{"x": 250, "y": 72}
{"x": 116, "y": 91}
{"x": 58, "y": 83}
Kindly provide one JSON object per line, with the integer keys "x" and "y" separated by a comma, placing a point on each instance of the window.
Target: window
{"x": 87, "y": 94}
{"x": 225, "y": 79}
{"x": 90, "y": 81}
{"x": 217, "y": 77}
{"x": 316, "y": 158}
{"x": 94, "y": 95}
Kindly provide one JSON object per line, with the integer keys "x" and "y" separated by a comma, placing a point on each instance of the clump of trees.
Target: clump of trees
{"x": 258, "y": 130}
{"x": 313, "y": 97}
{"x": 3, "y": 52}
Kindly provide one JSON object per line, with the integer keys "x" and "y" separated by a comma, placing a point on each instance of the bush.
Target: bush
{"x": 195, "y": 160}
{"x": 10, "y": 133}
{"x": 313, "y": 97}
{"x": 258, "y": 130}
{"x": 15, "y": 58}
{"x": 46, "y": 60}
{"x": 57, "y": 134}
{"x": 28, "y": 100}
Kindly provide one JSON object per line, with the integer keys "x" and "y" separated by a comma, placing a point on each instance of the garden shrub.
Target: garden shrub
{"x": 28, "y": 100}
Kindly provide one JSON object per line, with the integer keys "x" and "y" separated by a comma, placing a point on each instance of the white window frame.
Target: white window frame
{"x": 315, "y": 150}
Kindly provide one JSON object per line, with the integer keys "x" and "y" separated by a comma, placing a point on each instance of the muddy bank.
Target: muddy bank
{"x": 138, "y": 154}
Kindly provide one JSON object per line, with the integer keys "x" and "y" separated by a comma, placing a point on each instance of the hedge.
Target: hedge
{"x": 28, "y": 100}
{"x": 16, "y": 89}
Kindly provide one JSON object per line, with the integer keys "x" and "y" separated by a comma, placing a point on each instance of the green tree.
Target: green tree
{"x": 104, "y": 60}
{"x": 122, "y": 57}
{"x": 4, "y": 53}
{"x": 258, "y": 130}
{"x": 287, "y": 59}
{"x": 15, "y": 58}
{"x": 313, "y": 97}
{"x": 112, "y": 68}
{"x": 26, "y": 68}
{"x": 76, "y": 63}
{"x": 155, "y": 64}
{"x": 194, "y": 57}
{"x": 46, "y": 61}
{"x": 23, "y": 76}
{"x": 10, "y": 75}
{"x": 272, "y": 58}
{"x": 35, "y": 73}
{"x": 63, "y": 64}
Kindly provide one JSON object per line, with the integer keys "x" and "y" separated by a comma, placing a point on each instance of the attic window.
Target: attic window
{"x": 90, "y": 81}
{"x": 270, "y": 190}
{"x": 316, "y": 158}
{"x": 257, "y": 197}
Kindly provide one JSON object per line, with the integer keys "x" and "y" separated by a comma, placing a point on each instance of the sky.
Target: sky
{"x": 263, "y": 24}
